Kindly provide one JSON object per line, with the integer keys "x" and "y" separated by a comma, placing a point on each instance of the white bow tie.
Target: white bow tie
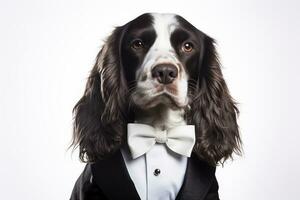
{"x": 141, "y": 138}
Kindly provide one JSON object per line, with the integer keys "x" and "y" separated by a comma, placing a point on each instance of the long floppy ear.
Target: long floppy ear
{"x": 99, "y": 117}
{"x": 213, "y": 111}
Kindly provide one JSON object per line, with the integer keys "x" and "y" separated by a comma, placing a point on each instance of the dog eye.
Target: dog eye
{"x": 137, "y": 44}
{"x": 187, "y": 47}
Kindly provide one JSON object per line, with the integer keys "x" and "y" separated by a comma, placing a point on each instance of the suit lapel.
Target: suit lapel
{"x": 197, "y": 181}
{"x": 112, "y": 177}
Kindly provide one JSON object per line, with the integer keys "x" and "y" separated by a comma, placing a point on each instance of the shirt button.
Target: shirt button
{"x": 156, "y": 172}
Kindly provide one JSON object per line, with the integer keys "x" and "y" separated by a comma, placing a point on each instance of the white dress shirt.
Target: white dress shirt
{"x": 158, "y": 174}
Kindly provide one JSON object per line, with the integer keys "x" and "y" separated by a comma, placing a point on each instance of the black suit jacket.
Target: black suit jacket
{"x": 109, "y": 179}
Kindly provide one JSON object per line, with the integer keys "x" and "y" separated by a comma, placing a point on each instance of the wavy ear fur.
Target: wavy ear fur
{"x": 213, "y": 111}
{"x": 99, "y": 117}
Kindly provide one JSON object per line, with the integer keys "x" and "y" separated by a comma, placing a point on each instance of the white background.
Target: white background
{"x": 48, "y": 47}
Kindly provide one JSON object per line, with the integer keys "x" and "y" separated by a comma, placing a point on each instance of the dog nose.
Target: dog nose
{"x": 165, "y": 73}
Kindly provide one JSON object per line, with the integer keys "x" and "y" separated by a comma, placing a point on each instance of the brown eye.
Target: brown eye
{"x": 137, "y": 44}
{"x": 187, "y": 47}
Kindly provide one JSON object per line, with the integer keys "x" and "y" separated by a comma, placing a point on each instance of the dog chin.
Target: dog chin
{"x": 165, "y": 99}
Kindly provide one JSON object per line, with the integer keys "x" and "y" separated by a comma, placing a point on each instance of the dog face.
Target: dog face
{"x": 160, "y": 54}
{"x": 156, "y": 59}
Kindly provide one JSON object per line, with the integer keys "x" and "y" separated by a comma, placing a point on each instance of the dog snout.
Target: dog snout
{"x": 165, "y": 73}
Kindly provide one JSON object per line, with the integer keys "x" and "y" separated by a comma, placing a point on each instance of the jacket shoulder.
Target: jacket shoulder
{"x": 213, "y": 193}
{"x": 85, "y": 188}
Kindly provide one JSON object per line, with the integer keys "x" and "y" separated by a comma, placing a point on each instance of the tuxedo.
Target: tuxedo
{"x": 108, "y": 179}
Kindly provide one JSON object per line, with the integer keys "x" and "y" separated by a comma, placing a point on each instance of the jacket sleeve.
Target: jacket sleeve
{"x": 213, "y": 193}
{"x": 85, "y": 188}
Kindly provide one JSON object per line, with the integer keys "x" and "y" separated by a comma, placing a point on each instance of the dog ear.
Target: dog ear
{"x": 213, "y": 111}
{"x": 99, "y": 117}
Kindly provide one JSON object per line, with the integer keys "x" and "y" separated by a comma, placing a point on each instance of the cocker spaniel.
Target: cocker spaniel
{"x": 157, "y": 69}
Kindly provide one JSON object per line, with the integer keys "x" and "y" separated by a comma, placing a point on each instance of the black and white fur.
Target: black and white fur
{"x": 146, "y": 72}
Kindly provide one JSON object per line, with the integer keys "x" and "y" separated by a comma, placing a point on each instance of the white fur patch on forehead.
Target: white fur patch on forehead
{"x": 164, "y": 21}
{"x": 164, "y": 25}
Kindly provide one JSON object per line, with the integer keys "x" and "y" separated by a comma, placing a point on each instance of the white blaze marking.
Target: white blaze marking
{"x": 162, "y": 50}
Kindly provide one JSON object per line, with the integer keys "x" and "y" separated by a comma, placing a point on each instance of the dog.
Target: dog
{"x": 159, "y": 75}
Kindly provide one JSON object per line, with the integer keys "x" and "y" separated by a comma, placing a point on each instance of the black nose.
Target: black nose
{"x": 165, "y": 73}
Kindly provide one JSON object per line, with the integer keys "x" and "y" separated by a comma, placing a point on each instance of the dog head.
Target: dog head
{"x": 156, "y": 59}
